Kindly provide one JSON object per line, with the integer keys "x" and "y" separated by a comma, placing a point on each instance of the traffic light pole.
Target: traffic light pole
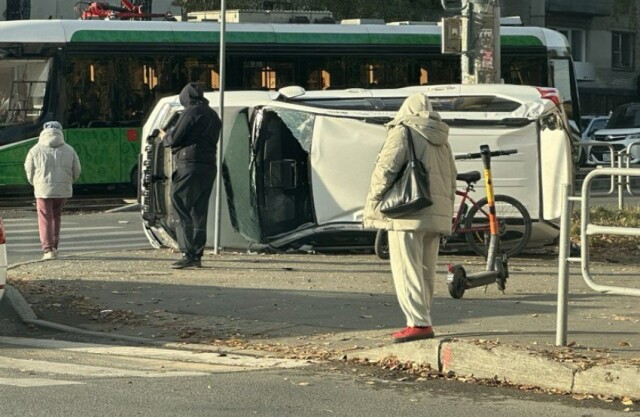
{"x": 480, "y": 64}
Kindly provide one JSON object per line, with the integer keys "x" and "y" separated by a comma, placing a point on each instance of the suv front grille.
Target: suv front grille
{"x": 609, "y": 138}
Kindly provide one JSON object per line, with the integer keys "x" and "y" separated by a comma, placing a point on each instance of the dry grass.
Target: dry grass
{"x": 609, "y": 247}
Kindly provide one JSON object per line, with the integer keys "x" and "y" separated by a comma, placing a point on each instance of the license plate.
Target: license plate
{"x": 606, "y": 157}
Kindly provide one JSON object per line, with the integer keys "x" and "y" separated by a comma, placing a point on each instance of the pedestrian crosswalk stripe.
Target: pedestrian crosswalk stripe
{"x": 35, "y": 382}
{"x": 212, "y": 358}
{"x": 48, "y": 367}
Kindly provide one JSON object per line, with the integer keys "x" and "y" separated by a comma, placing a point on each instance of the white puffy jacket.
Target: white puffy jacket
{"x": 52, "y": 166}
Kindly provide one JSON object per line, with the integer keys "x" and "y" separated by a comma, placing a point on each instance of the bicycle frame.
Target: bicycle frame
{"x": 463, "y": 208}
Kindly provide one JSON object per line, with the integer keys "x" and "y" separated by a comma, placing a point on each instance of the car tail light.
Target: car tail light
{"x": 2, "y": 238}
{"x": 550, "y": 94}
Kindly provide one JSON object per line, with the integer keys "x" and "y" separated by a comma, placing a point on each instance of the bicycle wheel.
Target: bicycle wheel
{"x": 514, "y": 225}
{"x": 382, "y": 244}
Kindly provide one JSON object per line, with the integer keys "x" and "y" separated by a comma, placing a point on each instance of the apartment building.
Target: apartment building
{"x": 603, "y": 36}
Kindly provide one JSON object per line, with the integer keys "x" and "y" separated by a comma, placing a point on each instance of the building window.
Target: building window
{"x": 622, "y": 47}
{"x": 578, "y": 40}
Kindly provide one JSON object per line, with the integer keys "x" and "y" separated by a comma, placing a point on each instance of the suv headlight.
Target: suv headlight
{"x": 635, "y": 136}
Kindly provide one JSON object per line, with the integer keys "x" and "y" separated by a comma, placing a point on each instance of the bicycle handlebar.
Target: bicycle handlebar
{"x": 477, "y": 155}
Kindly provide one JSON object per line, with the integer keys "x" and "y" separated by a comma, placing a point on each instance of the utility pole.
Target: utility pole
{"x": 475, "y": 36}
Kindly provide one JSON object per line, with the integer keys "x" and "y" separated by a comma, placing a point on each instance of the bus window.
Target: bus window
{"x": 524, "y": 70}
{"x": 318, "y": 79}
{"x": 437, "y": 71}
{"x": 391, "y": 72}
{"x": 139, "y": 79}
{"x": 23, "y": 84}
{"x": 561, "y": 73}
{"x": 262, "y": 75}
{"x": 200, "y": 69}
{"x": 91, "y": 82}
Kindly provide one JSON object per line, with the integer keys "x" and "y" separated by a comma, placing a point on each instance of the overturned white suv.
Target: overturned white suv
{"x": 297, "y": 165}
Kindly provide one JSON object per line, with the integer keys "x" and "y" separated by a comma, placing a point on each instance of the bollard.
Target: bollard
{"x": 563, "y": 267}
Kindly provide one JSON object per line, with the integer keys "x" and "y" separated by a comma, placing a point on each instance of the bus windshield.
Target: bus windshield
{"x": 563, "y": 82}
{"x": 23, "y": 84}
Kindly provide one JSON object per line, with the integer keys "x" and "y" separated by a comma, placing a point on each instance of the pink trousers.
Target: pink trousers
{"x": 49, "y": 211}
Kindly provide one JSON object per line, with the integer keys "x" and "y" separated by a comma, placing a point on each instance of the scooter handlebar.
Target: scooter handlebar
{"x": 478, "y": 155}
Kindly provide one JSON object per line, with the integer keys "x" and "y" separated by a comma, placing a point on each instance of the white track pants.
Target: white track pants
{"x": 413, "y": 265}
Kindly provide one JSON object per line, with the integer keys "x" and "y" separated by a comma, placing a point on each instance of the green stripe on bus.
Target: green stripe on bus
{"x": 123, "y": 36}
{"x": 137, "y": 36}
{"x": 522, "y": 40}
{"x": 405, "y": 39}
{"x": 323, "y": 38}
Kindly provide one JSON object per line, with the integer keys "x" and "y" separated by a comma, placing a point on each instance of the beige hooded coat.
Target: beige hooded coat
{"x": 430, "y": 136}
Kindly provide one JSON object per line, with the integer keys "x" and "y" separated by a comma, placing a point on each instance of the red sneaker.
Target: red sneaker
{"x": 409, "y": 334}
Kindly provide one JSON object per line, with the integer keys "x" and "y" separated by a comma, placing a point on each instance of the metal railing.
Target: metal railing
{"x": 619, "y": 159}
{"x": 586, "y": 229}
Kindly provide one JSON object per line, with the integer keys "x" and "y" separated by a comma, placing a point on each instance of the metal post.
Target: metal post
{"x": 621, "y": 182}
{"x": 481, "y": 63}
{"x": 563, "y": 267}
{"x": 497, "y": 49}
{"x": 218, "y": 213}
{"x": 466, "y": 62}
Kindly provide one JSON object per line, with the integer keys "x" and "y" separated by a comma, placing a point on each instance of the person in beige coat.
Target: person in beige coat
{"x": 414, "y": 239}
{"x": 51, "y": 167}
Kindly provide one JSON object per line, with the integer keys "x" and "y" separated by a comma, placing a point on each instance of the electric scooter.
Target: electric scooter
{"x": 497, "y": 270}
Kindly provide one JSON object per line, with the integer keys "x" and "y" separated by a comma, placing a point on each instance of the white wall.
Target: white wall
{"x": 64, "y": 9}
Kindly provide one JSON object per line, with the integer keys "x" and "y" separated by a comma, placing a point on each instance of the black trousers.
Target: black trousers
{"x": 190, "y": 192}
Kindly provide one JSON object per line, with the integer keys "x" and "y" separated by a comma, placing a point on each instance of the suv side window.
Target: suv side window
{"x": 626, "y": 117}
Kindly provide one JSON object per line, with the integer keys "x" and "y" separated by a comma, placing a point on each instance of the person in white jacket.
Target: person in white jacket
{"x": 414, "y": 239}
{"x": 51, "y": 166}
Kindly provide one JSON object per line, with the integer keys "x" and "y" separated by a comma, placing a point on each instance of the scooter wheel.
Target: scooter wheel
{"x": 381, "y": 247}
{"x": 503, "y": 273}
{"x": 456, "y": 281}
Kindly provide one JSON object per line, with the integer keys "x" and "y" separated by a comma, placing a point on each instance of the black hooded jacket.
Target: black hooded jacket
{"x": 195, "y": 137}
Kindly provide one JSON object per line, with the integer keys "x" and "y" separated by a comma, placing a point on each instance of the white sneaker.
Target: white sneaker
{"x": 49, "y": 255}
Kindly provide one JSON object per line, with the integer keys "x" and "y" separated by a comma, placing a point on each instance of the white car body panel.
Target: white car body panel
{"x": 343, "y": 152}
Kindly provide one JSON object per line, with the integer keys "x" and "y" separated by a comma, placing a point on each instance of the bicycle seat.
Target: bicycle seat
{"x": 468, "y": 177}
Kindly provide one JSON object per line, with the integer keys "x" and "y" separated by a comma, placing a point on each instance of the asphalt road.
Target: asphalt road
{"x": 56, "y": 378}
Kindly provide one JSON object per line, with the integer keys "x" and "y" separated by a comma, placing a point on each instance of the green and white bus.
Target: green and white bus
{"x": 101, "y": 78}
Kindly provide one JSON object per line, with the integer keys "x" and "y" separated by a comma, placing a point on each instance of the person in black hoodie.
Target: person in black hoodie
{"x": 193, "y": 142}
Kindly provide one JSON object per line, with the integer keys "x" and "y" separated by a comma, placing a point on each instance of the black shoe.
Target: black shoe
{"x": 187, "y": 262}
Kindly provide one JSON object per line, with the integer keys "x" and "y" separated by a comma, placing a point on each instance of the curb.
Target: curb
{"x": 463, "y": 358}
{"x": 28, "y": 316}
{"x": 514, "y": 366}
{"x": 127, "y": 208}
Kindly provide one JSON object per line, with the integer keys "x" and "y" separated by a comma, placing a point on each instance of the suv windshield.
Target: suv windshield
{"x": 456, "y": 104}
{"x": 625, "y": 117}
{"x": 23, "y": 85}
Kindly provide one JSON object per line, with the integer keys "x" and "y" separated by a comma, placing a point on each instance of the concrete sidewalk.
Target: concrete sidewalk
{"x": 336, "y": 306}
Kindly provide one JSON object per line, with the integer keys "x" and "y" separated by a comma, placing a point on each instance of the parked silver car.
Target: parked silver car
{"x": 590, "y": 125}
{"x": 622, "y": 130}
